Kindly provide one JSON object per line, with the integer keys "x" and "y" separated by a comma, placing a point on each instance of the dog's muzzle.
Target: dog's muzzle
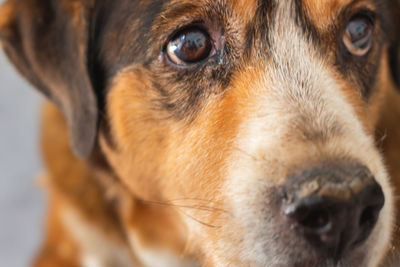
{"x": 334, "y": 208}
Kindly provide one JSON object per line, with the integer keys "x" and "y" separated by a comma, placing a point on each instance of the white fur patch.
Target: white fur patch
{"x": 96, "y": 249}
{"x": 157, "y": 257}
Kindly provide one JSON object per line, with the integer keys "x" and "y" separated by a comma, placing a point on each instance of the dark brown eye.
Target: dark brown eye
{"x": 358, "y": 36}
{"x": 189, "y": 46}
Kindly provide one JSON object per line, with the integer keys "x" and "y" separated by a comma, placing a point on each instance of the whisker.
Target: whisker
{"x": 197, "y": 220}
{"x": 192, "y": 199}
{"x": 198, "y": 206}
{"x": 179, "y": 208}
{"x": 247, "y": 154}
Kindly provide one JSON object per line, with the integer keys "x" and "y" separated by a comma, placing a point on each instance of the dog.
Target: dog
{"x": 215, "y": 132}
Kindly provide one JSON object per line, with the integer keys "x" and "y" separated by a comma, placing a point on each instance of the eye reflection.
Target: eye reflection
{"x": 189, "y": 46}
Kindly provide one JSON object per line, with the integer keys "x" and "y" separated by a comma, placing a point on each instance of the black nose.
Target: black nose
{"x": 335, "y": 208}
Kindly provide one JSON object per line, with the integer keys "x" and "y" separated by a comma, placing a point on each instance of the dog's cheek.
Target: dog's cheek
{"x": 367, "y": 113}
{"x": 163, "y": 159}
{"x": 158, "y": 154}
{"x": 136, "y": 150}
{"x": 382, "y": 86}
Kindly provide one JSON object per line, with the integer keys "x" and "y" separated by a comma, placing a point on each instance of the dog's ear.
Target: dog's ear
{"x": 48, "y": 43}
{"x": 394, "y": 49}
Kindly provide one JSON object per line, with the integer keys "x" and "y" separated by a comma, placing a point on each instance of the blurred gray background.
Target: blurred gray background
{"x": 22, "y": 202}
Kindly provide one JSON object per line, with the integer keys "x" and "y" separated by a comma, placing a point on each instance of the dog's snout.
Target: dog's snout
{"x": 334, "y": 208}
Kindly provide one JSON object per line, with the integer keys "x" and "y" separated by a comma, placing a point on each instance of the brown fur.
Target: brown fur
{"x": 58, "y": 249}
{"x": 388, "y": 135}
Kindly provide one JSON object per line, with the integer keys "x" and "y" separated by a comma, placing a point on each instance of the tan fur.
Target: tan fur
{"x": 369, "y": 114}
{"x": 71, "y": 184}
{"x": 59, "y": 249}
{"x": 147, "y": 179}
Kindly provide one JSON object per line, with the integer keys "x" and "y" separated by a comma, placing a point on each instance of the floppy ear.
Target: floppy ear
{"x": 394, "y": 50}
{"x": 48, "y": 41}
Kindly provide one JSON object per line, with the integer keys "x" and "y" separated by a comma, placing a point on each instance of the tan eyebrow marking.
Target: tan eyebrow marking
{"x": 323, "y": 13}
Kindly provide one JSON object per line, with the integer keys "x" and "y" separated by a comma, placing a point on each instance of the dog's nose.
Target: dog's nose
{"x": 335, "y": 208}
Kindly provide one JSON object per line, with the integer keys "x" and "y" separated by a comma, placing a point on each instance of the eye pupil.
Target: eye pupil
{"x": 189, "y": 46}
{"x": 358, "y": 36}
{"x": 357, "y": 30}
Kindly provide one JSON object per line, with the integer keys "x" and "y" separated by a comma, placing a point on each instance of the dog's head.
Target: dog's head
{"x": 259, "y": 113}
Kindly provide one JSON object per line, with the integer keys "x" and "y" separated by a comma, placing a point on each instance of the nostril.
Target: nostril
{"x": 373, "y": 200}
{"x": 319, "y": 220}
{"x": 368, "y": 216}
{"x": 367, "y": 221}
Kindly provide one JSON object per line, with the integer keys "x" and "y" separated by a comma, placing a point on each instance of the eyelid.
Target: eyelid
{"x": 368, "y": 14}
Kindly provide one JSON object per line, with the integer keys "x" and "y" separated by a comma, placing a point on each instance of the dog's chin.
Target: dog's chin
{"x": 353, "y": 258}
{"x": 299, "y": 254}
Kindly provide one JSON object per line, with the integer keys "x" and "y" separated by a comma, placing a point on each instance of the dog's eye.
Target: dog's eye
{"x": 358, "y": 36}
{"x": 189, "y": 46}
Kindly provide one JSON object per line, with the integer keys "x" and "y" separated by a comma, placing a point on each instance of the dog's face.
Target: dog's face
{"x": 255, "y": 117}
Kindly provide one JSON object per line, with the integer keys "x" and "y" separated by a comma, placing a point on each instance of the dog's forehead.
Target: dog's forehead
{"x": 322, "y": 14}
{"x": 316, "y": 9}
